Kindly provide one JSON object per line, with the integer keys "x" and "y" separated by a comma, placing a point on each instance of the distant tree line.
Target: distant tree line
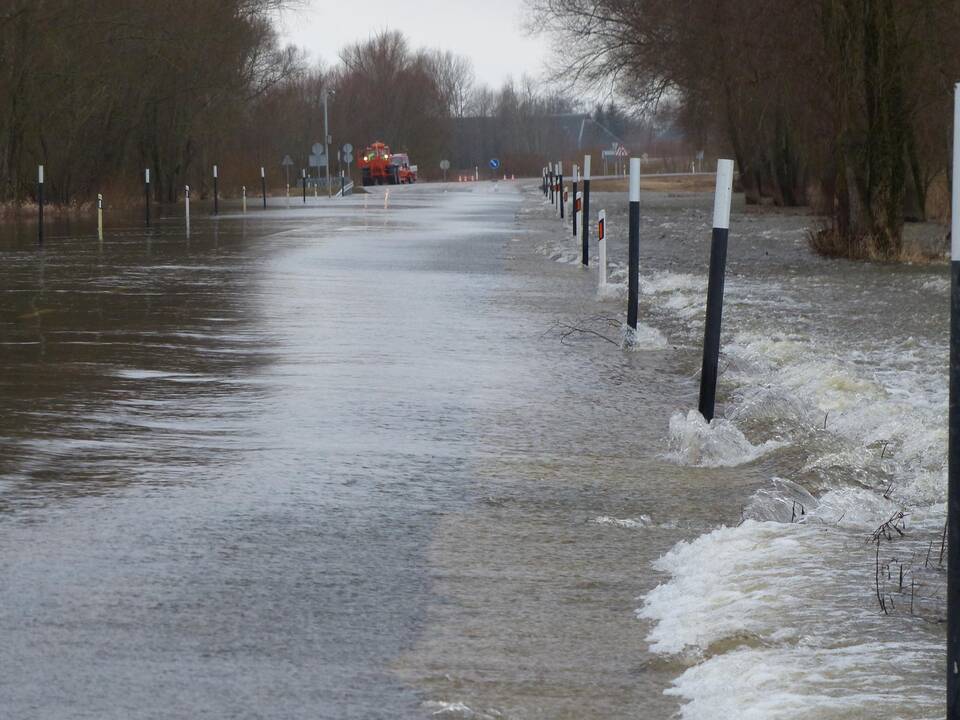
{"x": 844, "y": 103}
{"x": 97, "y": 91}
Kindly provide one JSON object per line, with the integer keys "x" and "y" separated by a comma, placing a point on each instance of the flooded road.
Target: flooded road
{"x": 341, "y": 462}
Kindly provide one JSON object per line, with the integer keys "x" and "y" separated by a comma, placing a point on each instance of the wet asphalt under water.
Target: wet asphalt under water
{"x": 334, "y": 462}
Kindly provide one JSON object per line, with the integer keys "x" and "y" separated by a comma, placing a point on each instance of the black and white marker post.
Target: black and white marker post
{"x": 216, "y": 191}
{"x": 718, "y": 268}
{"x": 40, "y": 204}
{"x": 633, "y": 284}
{"x": 303, "y": 177}
{"x": 146, "y": 195}
{"x": 543, "y": 181}
{"x": 953, "y": 472}
{"x": 263, "y": 186}
{"x": 585, "y": 212}
{"x": 552, "y": 187}
{"x": 575, "y": 208}
{"x": 560, "y": 188}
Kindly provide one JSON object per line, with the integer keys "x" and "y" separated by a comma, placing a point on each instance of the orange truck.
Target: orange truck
{"x": 378, "y": 166}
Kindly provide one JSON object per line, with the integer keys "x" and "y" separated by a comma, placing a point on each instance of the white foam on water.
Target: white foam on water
{"x": 719, "y": 443}
{"x": 644, "y": 337}
{"x": 626, "y": 523}
{"x": 810, "y": 683}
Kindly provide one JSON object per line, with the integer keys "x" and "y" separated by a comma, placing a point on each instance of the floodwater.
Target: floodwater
{"x": 341, "y": 461}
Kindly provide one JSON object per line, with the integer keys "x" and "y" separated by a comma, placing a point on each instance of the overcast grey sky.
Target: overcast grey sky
{"x": 489, "y": 32}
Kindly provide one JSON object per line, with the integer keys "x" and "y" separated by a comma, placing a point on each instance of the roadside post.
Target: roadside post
{"x": 633, "y": 286}
{"x": 243, "y": 193}
{"x": 953, "y": 472}
{"x": 263, "y": 186}
{"x": 585, "y": 211}
{"x": 288, "y": 195}
{"x": 100, "y": 216}
{"x": 576, "y": 199}
{"x": 303, "y": 178}
{"x": 146, "y": 194}
{"x": 550, "y": 181}
{"x": 186, "y": 203}
{"x": 560, "y": 187}
{"x": 40, "y": 204}
{"x": 718, "y": 265}
{"x": 602, "y": 249}
{"x": 216, "y": 191}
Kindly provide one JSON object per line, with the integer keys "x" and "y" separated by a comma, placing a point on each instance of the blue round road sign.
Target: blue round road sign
{"x": 495, "y": 164}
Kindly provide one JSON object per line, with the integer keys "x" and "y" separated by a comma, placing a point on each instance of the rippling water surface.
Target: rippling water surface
{"x": 341, "y": 461}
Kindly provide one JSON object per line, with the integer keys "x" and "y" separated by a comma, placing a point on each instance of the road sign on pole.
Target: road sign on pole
{"x": 495, "y": 164}
{"x": 286, "y": 163}
{"x": 444, "y": 165}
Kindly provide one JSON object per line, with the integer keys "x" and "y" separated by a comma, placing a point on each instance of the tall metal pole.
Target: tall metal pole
{"x": 953, "y": 482}
{"x": 718, "y": 267}
{"x": 326, "y": 141}
{"x": 633, "y": 283}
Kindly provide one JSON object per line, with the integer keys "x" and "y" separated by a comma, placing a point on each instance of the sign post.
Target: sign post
{"x": 444, "y": 166}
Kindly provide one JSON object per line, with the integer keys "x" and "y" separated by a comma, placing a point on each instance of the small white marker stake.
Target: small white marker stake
{"x": 186, "y": 203}
{"x": 100, "y": 216}
{"x": 244, "y": 193}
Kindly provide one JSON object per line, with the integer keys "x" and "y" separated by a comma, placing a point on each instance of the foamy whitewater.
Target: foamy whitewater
{"x": 778, "y": 617}
{"x": 835, "y": 373}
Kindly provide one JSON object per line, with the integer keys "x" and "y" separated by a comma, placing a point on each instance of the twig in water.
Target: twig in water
{"x": 943, "y": 542}
{"x": 883, "y": 605}
{"x": 929, "y": 548}
{"x": 826, "y": 415}
{"x": 884, "y": 450}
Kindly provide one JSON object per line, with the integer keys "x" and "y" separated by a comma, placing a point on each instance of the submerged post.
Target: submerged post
{"x": 186, "y": 205}
{"x": 263, "y": 186}
{"x": 146, "y": 194}
{"x": 602, "y": 249}
{"x": 585, "y": 211}
{"x": 303, "y": 176}
{"x": 216, "y": 193}
{"x": 100, "y": 216}
{"x": 718, "y": 266}
{"x": 633, "y": 285}
{"x": 40, "y": 204}
{"x": 953, "y": 472}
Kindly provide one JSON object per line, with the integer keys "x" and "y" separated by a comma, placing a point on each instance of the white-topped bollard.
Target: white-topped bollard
{"x": 100, "y": 216}
{"x": 146, "y": 194}
{"x": 186, "y": 205}
{"x": 243, "y": 193}
{"x": 633, "y": 281}
{"x": 602, "y": 250}
{"x": 40, "y": 204}
{"x": 263, "y": 186}
{"x": 585, "y": 211}
{"x": 953, "y": 451}
{"x": 718, "y": 265}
